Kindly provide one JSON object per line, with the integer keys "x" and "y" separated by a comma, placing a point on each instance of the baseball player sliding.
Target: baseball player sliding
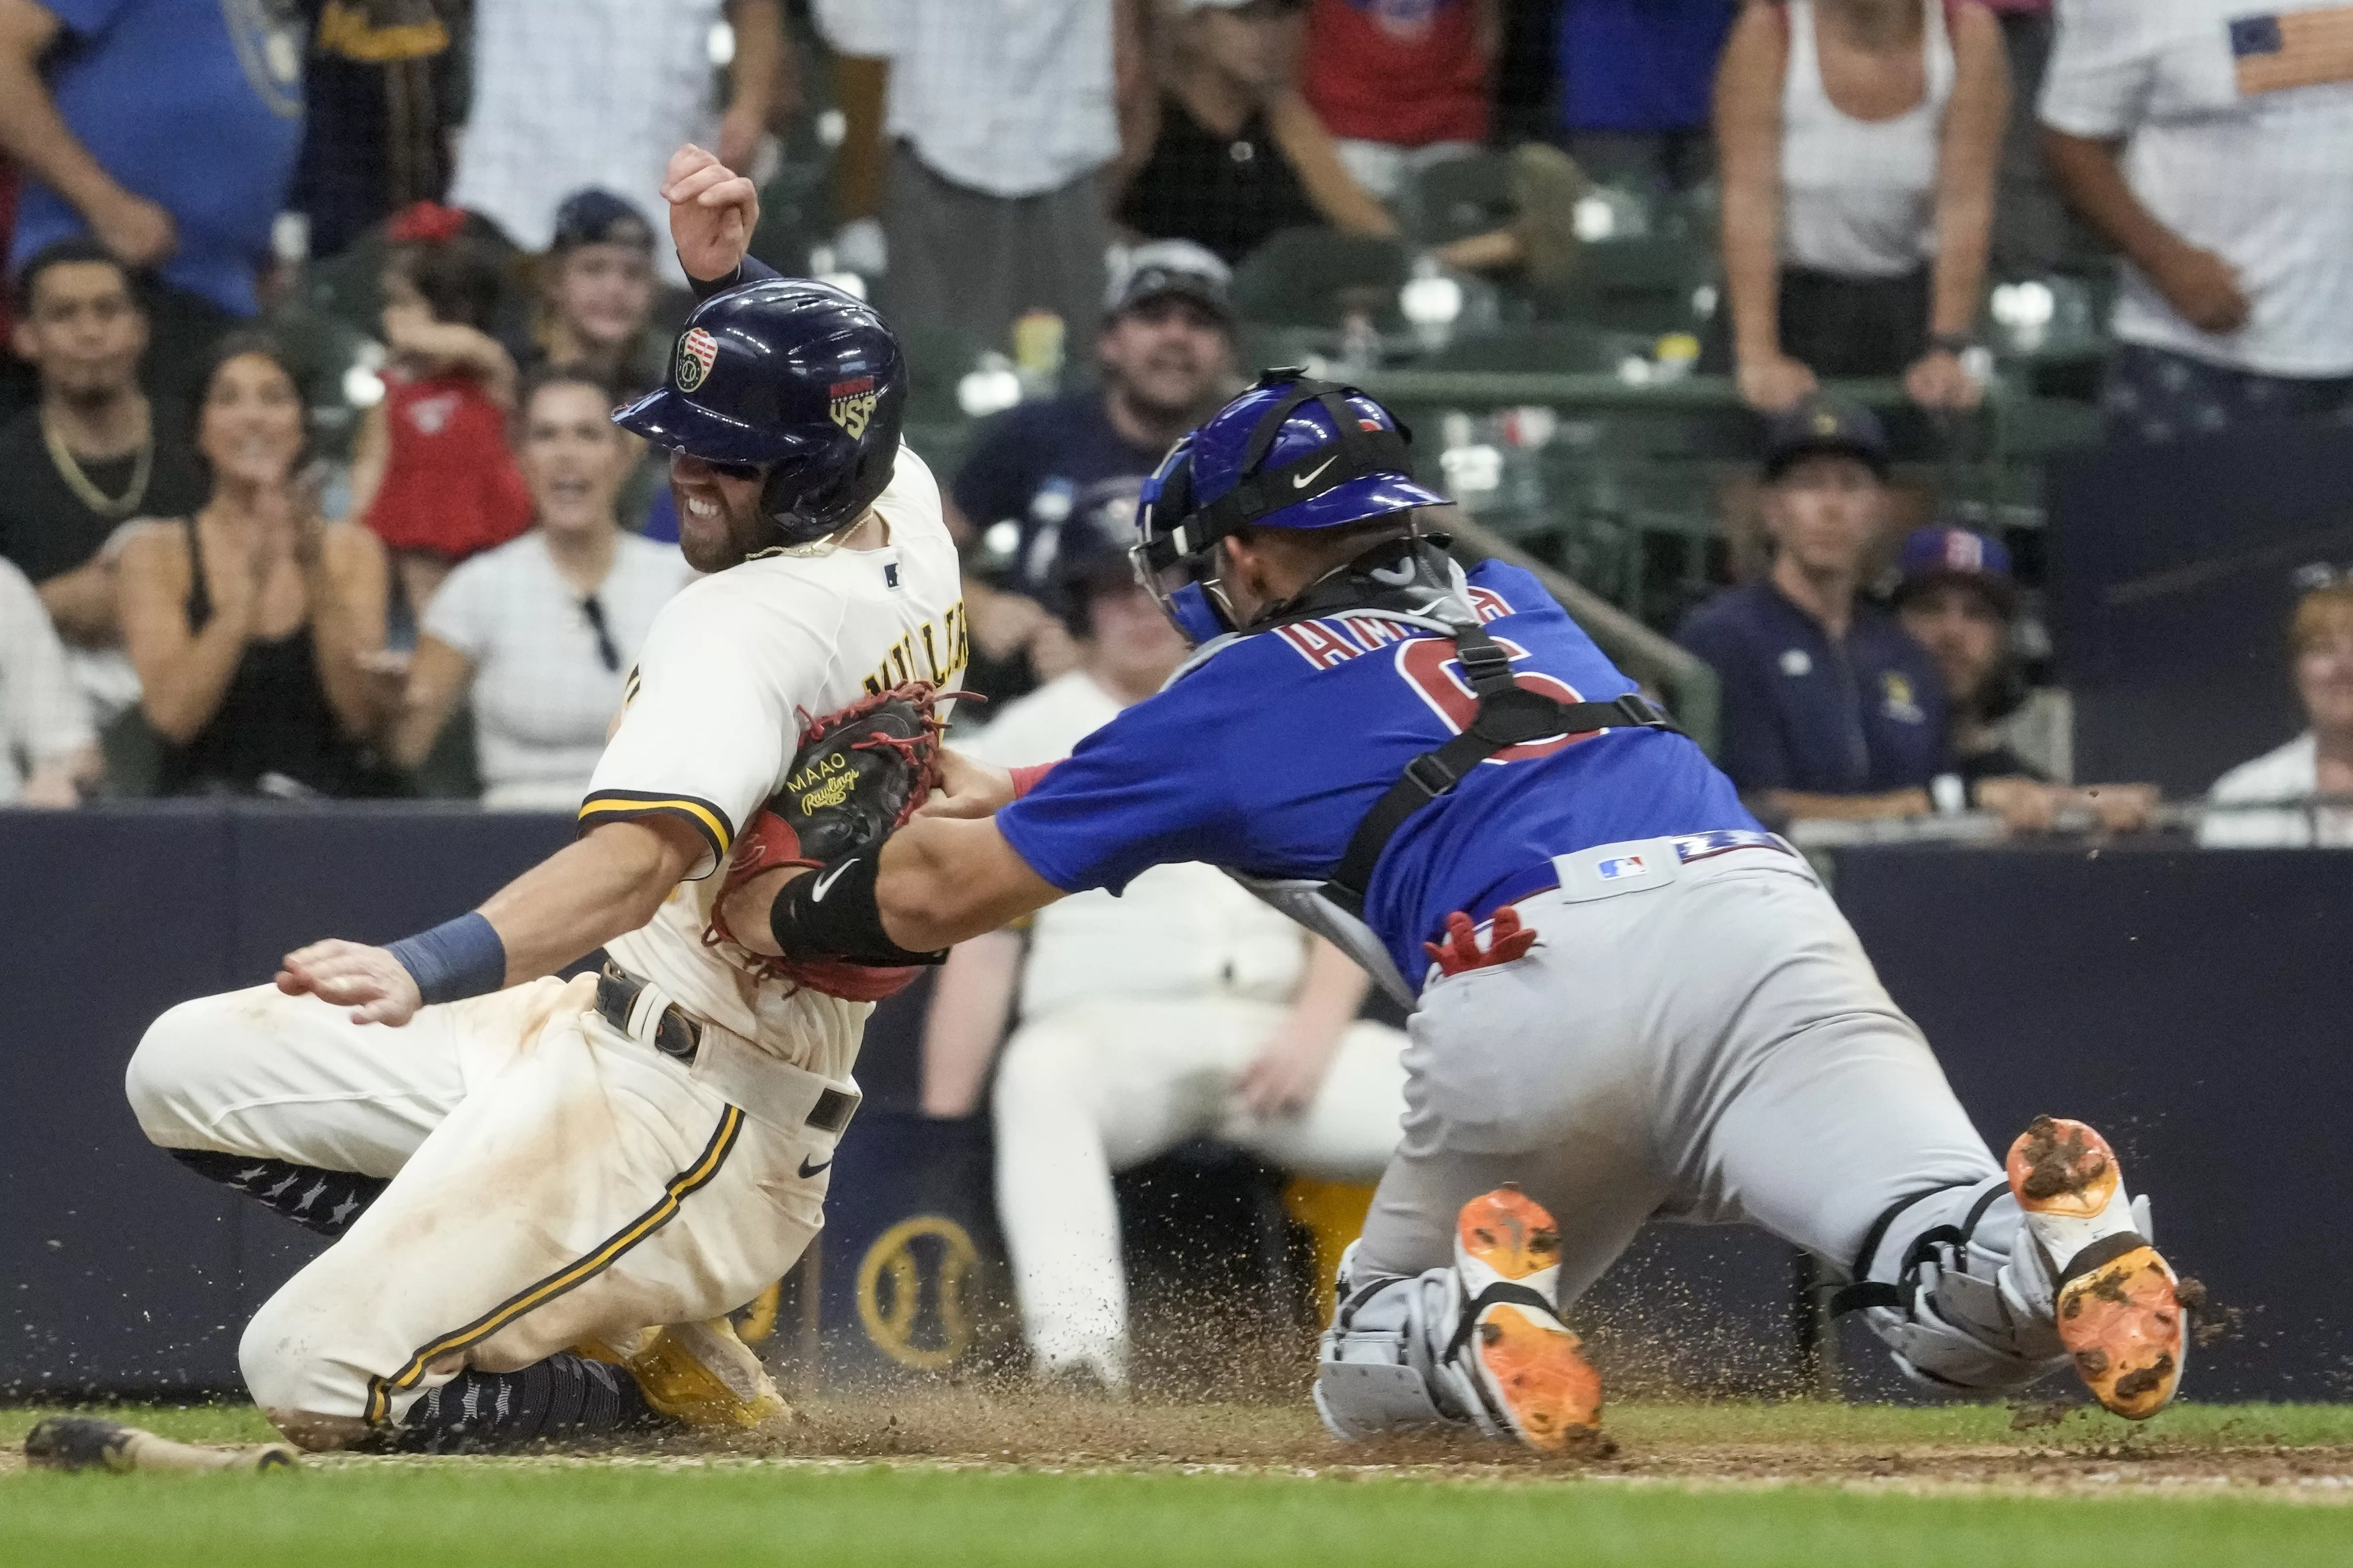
{"x": 548, "y": 1194}
{"x": 1633, "y": 1003}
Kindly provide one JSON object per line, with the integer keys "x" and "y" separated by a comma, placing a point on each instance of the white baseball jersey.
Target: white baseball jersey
{"x": 1183, "y": 931}
{"x": 713, "y": 715}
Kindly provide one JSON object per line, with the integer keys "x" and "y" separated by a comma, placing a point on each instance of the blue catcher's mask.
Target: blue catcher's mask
{"x": 1291, "y": 452}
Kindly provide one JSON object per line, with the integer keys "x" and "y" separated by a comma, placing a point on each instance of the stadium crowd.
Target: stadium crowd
{"x": 1069, "y": 187}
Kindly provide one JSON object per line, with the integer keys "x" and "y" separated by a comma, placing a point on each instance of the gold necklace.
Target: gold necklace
{"x": 68, "y": 466}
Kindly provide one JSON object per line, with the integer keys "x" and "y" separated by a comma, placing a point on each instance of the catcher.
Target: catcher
{"x": 547, "y": 1193}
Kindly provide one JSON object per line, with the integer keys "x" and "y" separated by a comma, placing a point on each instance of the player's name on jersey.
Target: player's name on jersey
{"x": 930, "y": 652}
{"x": 1335, "y": 639}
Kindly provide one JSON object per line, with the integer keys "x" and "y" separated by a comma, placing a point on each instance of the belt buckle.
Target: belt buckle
{"x": 673, "y": 1032}
{"x": 677, "y": 1037}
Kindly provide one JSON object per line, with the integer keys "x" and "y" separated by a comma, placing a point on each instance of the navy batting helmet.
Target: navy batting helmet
{"x": 793, "y": 376}
{"x": 1291, "y": 452}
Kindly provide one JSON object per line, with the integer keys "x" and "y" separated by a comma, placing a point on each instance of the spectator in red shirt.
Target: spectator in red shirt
{"x": 1400, "y": 84}
{"x": 432, "y": 474}
{"x": 1232, "y": 152}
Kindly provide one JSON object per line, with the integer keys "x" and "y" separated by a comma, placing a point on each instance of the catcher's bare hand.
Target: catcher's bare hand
{"x": 376, "y": 987}
{"x": 968, "y": 787}
{"x": 712, "y": 212}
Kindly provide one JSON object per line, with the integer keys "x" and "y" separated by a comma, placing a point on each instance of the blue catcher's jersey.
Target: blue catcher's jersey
{"x": 1264, "y": 757}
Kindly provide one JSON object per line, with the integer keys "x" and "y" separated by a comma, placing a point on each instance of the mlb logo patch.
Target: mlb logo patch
{"x": 1618, "y": 868}
{"x": 698, "y": 351}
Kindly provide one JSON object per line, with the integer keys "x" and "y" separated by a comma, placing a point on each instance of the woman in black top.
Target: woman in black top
{"x": 249, "y": 622}
{"x": 1233, "y": 154}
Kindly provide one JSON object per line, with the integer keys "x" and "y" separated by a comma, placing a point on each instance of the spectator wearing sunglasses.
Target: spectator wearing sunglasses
{"x": 543, "y": 630}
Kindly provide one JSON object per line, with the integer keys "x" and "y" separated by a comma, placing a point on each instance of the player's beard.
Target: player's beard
{"x": 715, "y": 543}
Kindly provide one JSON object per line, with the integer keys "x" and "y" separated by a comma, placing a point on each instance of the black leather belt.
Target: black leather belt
{"x": 677, "y": 1035}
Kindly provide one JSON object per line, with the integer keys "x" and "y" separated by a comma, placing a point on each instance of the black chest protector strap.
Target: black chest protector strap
{"x": 1508, "y": 715}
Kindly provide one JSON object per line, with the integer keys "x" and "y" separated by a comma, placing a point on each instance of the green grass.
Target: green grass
{"x": 2185, "y": 1425}
{"x": 455, "y": 1513}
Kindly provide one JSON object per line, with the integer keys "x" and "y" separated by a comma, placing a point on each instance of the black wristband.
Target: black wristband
{"x": 831, "y": 913}
{"x": 1952, "y": 342}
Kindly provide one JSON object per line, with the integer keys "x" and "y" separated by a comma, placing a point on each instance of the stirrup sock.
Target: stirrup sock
{"x": 561, "y": 1399}
{"x": 324, "y": 1201}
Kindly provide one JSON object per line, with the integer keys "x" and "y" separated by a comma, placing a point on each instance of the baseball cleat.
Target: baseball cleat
{"x": 86, "y": 1443}
{"x": 2118, "y": 1310}
{"x": 701, "y": 1373}
{"x": 1523, "y": 1360}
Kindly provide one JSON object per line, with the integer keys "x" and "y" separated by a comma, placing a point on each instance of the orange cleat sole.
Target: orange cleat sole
{"x": 1509, "y": 1234}
{"x": 2119, "y": 1309}
{"x": 1531, "y": 1365}
{"x": 2123, "y": 1324}
{"x": 1533, "y": 1368}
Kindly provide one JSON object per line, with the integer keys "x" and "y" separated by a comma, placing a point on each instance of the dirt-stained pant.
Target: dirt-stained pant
{"x": 1701, "y": 1041}
{"x": 554, "y": 1178}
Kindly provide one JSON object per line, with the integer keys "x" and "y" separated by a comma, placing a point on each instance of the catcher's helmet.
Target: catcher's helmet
{"x": 1291, "y": 452}
{"x": 794, "y": 376}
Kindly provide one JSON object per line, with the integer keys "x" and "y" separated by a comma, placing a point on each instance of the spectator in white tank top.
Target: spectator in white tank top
{"x": 1857, "y": 141}
{"x": 546, "y": 628}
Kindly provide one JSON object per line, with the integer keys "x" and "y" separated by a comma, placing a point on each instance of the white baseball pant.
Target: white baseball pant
{"x": 554, "y": 1179}
{"x": 1099, "y": 1087}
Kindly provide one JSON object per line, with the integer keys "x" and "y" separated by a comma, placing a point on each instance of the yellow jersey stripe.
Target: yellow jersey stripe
{"x": 602, "y": 1256}
{"x": 614, "y": 805}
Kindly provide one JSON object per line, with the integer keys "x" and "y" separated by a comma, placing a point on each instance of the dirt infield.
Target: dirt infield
{"x": 2303, "y": 1453}
{"x": 2055, "y": 1448}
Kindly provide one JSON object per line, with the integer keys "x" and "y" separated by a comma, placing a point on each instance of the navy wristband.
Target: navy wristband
{"x": 455, "y": 960}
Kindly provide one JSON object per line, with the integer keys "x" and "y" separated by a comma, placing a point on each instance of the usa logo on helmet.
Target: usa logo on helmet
{"x": 697, "y": 350}
{"x": 851, "y": 404}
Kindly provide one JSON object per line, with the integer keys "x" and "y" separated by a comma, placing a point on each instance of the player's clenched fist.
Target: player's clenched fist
{"x": 376, "y": 987}
{"x": 968, "y": 787}
{"x": 712, "y": 212}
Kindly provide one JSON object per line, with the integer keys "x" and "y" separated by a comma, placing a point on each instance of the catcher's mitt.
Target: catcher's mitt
{"x": 858, "y": 774}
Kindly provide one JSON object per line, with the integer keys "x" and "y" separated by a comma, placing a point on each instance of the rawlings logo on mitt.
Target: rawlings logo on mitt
{"x": 858, "y": 774}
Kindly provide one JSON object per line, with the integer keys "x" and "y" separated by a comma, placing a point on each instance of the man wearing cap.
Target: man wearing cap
{"x": 1167, "y": 353}
{"x": 1957, "y": 600}
{"x": 1829, "y": 709}
{"x": 596, "y": 296}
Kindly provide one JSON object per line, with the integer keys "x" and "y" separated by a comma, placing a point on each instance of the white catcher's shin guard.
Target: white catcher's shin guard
{"x": 1963, "y": 1315}
{"x": 1972, "y": 1310}
{"x": 1376, "y": 1369}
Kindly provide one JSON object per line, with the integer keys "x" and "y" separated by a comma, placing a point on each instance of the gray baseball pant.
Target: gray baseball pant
{"x": 1703, "y": 1042}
